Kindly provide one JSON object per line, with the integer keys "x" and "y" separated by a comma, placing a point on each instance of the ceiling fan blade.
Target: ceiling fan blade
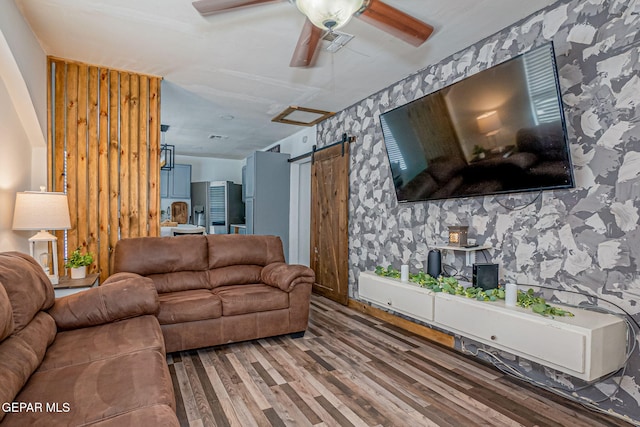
{"x": 396, "y": 23}
{"x": 305, "y": 53}
{"x": 211, "y": 7}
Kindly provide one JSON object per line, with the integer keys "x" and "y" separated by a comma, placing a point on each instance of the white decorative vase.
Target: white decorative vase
{"x": 78, "y": 272}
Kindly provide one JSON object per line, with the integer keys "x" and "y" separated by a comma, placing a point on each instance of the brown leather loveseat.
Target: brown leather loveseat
{"x": 96, "y": 358}
{"x": 218, "y": 289}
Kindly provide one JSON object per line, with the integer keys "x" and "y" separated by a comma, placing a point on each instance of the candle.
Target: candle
{"x": 404, "y": 273}
{"x": 511, "y": 294}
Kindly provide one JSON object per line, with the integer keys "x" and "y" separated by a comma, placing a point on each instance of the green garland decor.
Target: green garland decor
{"x": 450, "y": 285}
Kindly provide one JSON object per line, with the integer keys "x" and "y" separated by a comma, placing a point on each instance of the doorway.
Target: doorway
{"x": 299, "y": 231}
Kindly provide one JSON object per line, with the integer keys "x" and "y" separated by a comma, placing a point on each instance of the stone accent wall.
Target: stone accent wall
{"x": 586, "y": 239}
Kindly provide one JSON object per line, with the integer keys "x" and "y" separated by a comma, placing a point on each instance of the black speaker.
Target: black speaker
{"x": 485, "y": 276}
{"x": 434, "y": 263}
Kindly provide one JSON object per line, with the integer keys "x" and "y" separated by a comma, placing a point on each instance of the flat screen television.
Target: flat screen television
{"x": 501, "y": 130}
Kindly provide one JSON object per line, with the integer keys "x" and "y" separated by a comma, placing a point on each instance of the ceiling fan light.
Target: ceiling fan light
{"x": 329, "y": 14}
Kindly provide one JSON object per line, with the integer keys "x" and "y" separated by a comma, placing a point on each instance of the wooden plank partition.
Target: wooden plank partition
{"x": 104, "y": 153}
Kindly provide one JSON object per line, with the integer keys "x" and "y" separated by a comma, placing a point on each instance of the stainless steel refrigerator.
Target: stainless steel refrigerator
{"x": 216, "y": 205}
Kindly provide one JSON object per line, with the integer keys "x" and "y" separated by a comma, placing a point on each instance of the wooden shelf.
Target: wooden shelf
{"x": 470, "y": 252}
{"x": 67, "y": 282}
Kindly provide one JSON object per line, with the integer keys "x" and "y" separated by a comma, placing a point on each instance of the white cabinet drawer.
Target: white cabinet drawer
{"x": 404, "y": 298}
{"x": 534, "y": 337}
{"x": 587, "y": 346}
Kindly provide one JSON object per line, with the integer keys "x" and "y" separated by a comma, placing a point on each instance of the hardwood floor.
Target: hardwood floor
{"x": 355, "y": 370}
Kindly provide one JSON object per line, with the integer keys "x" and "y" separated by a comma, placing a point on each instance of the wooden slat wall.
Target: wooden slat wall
{"x": 154, "y": 158}
{"x": 104, "y": 150}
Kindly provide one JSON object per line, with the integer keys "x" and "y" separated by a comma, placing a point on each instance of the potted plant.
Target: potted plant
{"x": 479, "y": 152}
{"x": 78, "y": 263}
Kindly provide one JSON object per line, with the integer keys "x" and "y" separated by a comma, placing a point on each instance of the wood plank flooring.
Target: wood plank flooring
{"x": 355, "y": 370}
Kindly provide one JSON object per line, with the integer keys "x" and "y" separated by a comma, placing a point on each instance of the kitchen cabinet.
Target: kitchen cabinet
{"x": 176, "y": 183}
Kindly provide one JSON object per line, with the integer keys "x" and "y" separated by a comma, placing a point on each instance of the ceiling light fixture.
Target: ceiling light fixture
{"x": 329, "y": 14}
{"x": 167, "y": 151}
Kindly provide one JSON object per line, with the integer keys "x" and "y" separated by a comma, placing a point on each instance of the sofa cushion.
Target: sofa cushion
{"x": 234, "y": 275}
{"x": 240, "y": 249}
{"x": 103, "y": 341}
{"x": 6, "y": 315}
{"x": 27, "y": 286}
{"x": 156, "y": 416}
{"x": 21, "y": 353}
{"x": 98, "y": 390}
{"x": 242, "y": 299}
{"x": 155, "y": 255}
{"x": 180, "y": 281}
{"x": 188, "y": 306}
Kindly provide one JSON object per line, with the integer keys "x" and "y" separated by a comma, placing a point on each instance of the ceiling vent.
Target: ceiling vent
{"x": 336, "y": 40}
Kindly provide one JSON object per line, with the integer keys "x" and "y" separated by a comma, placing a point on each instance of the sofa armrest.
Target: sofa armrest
{"x": 286, "y": 276}
{"x": 119, "y": 277}
{"x": 119, "y": 300}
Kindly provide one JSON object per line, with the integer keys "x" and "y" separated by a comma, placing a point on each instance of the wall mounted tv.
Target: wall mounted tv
{"x": 501, "y": 130}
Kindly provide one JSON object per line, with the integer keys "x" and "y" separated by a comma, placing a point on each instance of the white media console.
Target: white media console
{"x": 587, "y": 346}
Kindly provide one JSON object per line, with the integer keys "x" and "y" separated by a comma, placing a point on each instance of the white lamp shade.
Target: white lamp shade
{"x": 329, "y": 14}
{"x": 489, "y": 123}
{"x": 38, "y": 210}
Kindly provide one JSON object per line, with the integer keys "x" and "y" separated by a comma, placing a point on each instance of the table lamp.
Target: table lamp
{"x": 39, "y": 210}
{"x": 489, "y": 124}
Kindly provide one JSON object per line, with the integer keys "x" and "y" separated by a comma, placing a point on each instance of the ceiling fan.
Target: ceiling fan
{"x": 329, "y": 15}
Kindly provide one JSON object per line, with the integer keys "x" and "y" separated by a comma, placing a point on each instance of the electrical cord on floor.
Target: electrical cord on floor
{"x": 561, "y": 391}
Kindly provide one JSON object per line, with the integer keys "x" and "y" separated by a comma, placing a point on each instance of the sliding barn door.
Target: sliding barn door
{"x": 329, "y": 222}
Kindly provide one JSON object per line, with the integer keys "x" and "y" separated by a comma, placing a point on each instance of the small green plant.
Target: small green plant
{"x": 76, "y": 259}
{"x": 450, "y": 285}
{"x": 387, "y": 272}
{"x": 477, "y": 150}
{"x": 539, "y": 305}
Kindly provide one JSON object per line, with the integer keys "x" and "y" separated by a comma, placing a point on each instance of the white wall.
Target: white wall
{"x": 22, "y": 119}
{"x": 297, "y": 144}
{"x": 208, "y": 169}
{"x": 31, "y": 61}
{"x": 15, "y": 172}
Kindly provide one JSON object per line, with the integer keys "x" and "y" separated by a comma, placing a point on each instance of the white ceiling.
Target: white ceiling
{"x": 229, "y": 74}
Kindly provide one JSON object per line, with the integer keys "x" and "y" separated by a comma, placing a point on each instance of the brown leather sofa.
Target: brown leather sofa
{"x": 218, "y": 289}
{"x": 94, "y": 358}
